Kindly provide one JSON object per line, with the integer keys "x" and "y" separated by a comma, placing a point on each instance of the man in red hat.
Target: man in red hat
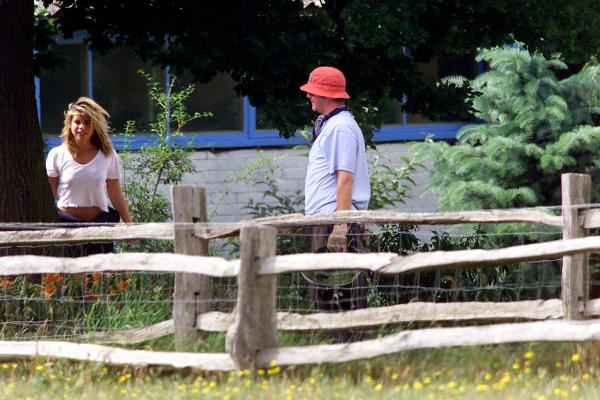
{"x": 337, "y": 178}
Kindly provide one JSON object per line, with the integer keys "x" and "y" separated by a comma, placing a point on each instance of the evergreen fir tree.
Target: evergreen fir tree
{"x": 534, "y": 127}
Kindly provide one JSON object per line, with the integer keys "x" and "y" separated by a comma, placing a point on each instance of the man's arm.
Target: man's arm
{"x": 344, "y": 190}
{"x": 338, "y": 239}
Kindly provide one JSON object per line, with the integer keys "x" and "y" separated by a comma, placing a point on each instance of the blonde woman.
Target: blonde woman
{"x": 84, "y": 171}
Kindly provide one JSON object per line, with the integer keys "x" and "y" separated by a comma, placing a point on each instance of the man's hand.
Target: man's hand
{"x": 338, "y": 240}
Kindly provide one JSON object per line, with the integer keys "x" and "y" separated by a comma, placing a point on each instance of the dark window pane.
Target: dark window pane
{"x": 441, "y": 67}
{"x": 393, "y": 113}
{"x": 62, "y": 86}
{"x": 121, "y": 90}
{"x": 217, "y": 97}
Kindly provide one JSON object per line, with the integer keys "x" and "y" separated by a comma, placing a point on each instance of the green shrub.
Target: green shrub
{"x": 162, "y": 163}
{"x": 534, "y": 126}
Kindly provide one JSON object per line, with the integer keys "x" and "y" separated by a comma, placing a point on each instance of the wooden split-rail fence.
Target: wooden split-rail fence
{"x": 251, "y": 339}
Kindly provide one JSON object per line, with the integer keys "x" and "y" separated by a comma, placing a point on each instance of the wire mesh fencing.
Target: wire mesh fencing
{"x": 64, "y": 306}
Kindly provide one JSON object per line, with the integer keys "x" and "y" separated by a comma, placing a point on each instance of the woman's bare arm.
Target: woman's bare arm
{"x": 53, "y": 185}
{"x": 113, "y": 187}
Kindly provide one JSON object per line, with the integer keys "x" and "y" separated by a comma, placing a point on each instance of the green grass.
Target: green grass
{"x": 521, "y": 371}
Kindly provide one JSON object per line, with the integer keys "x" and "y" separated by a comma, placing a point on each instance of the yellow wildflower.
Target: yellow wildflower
{"x": 560, "y": 393}
{"x": 575, "y": 358}
{"x": 585, "y": 376}
{"x": 482, "y": 387}
{"x": 574, "y": 388}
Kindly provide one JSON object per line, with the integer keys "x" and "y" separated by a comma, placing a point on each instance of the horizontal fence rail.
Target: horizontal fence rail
{"x": 160, "y": 231}
{"x": 590, "y": 219}
{"x": 364, "y": 318}
{"x": 403, "y": 313}
{"x": 383, "y": 263}
{"x": 545, "y": 331}
{"x": 165, "y": 231}
{"x": 153, "y": 262}
{"x": 115, "y": 356}
{"x": 386, "y": 217}
{"x": 131, "y": 336}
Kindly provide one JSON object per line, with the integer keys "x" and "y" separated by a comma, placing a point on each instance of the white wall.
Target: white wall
{"x": 215, "y": 170}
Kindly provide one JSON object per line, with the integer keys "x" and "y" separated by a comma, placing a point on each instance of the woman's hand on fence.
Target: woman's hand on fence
{"x": 338, "y": 240}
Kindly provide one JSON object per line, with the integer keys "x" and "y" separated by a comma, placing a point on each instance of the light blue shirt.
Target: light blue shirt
{"x": 339, "y": 146}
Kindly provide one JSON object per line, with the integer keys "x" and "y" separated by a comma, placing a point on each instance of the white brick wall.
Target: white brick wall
{"x": 216, "y": 169}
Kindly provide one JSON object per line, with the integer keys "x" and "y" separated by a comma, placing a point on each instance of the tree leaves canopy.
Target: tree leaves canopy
{"x": 270, "y": 46}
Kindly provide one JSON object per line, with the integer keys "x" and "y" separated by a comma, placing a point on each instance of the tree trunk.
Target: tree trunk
{"x": 24, "y": 190}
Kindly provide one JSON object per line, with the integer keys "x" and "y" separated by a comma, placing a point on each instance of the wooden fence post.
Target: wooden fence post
{"x": 255, "y": 321}
{"x": 193, "y": 292}
{"x": 576, "y": 190}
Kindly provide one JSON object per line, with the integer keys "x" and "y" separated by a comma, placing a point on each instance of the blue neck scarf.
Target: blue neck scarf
{"x": 321, "y": 119}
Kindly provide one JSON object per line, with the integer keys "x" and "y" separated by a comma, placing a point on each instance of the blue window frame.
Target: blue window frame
{"x": 249, "y": 135}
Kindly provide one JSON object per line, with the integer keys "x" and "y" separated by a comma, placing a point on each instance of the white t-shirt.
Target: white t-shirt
{"x": 82, "y": 185}
{"x": 339, "y": 146}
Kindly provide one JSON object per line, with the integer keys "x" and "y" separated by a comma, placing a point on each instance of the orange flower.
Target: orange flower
{"x": 96, "y": 277}
{"x": 6, "y": 283}
{"x": 49, "y": 284}
{"x": 53, "y": 277}
{"x": 123, "y": 285}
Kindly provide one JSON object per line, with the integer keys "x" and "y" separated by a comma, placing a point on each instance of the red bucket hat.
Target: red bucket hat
{"x": 327, "y": 82}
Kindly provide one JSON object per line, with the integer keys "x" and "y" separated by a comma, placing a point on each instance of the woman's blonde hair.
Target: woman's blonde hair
{"x": 99, "y": 118}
